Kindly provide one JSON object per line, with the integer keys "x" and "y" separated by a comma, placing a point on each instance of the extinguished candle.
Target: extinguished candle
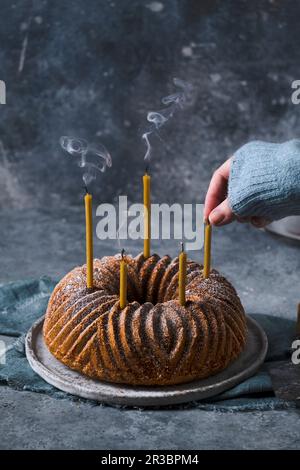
{"x": 123, "y": 282}
{"x": 182, "y": 276}
{"x": 147, "y": 214}
{"x": 207, "y": 249}
{"x": 89, "y": 240}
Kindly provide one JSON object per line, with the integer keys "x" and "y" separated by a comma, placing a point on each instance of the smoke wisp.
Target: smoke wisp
{"x": 174, "y": 102}
{"x": 91, "y": 158}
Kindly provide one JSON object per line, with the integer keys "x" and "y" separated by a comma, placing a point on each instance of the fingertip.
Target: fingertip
{"x": 216, "y": 217}
{"x": 222, "y": 214}
{"x": 205, "y": 216}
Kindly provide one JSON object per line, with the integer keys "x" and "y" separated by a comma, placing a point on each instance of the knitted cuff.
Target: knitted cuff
{"x": 265, "y": 180}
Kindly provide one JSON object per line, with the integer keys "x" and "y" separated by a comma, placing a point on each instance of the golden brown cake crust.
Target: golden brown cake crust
{"x": 154, "y": 340}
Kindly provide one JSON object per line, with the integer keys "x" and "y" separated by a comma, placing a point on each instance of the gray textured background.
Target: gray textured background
{"x": 94, "y": 68}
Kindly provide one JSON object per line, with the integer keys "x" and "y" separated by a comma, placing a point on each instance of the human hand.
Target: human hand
{"x": 216, "y": 208}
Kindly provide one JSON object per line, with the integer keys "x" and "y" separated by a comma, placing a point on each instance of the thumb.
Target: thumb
{"x": 222, "y": 214}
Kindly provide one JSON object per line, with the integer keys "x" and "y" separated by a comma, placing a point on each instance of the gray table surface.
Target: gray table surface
{"x": 263, "y": 268}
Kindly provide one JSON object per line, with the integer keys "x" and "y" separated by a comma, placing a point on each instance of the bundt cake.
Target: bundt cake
{"x": 153, "y": 340}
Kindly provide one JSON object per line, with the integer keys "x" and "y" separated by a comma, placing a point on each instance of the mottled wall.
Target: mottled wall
{"x": 93, "y": 68}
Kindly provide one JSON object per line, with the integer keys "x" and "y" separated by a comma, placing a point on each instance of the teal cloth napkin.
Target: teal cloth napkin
{"x": 23, "y": 302}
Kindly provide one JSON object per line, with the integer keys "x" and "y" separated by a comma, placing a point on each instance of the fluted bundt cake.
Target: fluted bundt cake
{"x": 154, "y": 340}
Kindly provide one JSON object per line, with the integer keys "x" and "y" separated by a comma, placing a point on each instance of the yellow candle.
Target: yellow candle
{"x": 123, "y": 282}
{"x": 207, "y": 249}
{"x": 89, "y": 240}
{"x": 147, "y": 215}
{"x": 182, "y": 276}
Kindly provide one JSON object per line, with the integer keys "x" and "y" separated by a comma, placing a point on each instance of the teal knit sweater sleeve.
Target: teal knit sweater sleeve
{"x": 265, "y": 180}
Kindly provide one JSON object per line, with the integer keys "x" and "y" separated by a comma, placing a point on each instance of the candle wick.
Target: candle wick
{"x": 122, "y": 253}
{"x": 86, "y": 189}
{"x": 182, "y": 247}
{"x": 147, "y": 170}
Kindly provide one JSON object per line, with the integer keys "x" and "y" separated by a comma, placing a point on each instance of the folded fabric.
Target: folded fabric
{"x": 23, "y": 302}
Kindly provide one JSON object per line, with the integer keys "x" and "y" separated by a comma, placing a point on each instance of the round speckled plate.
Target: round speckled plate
{"x": 68, "y": 380}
